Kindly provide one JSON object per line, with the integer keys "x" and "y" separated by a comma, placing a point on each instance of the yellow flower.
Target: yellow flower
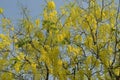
{"x": 53, "y": 14}
{"x": 117, "y": 71}
{"x": 34, "y": 69}
{"x": 60, "y": 37}
{"x": 21, "y": 56}
{"x": 2, "y": 36}
{"x": 1, "y": 10}
{"x": 51, "y": 5}
{"x": 37, "y": 22}
{"x": 89, "y": 42}
{"x": 70, "y": 48}
{"x": 15, "y": 40}
{"x": 17, "y": 66}
{"x": 33, "y": 65}
{"x": 60, "y": 62}
{"x": 12, "y": 28}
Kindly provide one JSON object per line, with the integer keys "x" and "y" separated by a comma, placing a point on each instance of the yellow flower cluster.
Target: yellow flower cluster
{"x": 17, "y": 66}
{"x": 33, "y": 65}
{"x": 60, "y": 37}
{"x": 51, "y": 5}
{"x": 53, "y": 16}
{"x": 89, "y": 41}
{"x": 60, "y": 62}
{"x": 1, "y": 10}
{"x": 21, "y": 56}
{"x": 117, "y": 71}
{"x": 53, "y": 13}
{"x": 12, "y": 28}
{"x": 73, "y": 50}
{"x": 5, "y": 41}
{"x": 37, "y": 22}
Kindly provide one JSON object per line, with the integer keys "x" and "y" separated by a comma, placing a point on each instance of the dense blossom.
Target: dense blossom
{"x": 51, "y": 5}
{"x": 74, "y": 42}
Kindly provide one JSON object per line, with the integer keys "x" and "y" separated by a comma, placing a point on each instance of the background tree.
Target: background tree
{"x": 80, "y": 41}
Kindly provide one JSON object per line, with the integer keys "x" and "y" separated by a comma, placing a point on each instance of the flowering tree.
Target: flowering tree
{"x": 80, "y": 41}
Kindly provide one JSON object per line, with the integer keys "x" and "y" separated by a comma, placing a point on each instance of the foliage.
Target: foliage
{"x": 73, "y": 43}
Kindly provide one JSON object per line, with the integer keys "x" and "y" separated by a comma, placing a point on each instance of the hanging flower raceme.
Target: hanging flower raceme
{"x": 53, "y": 15}
{"x": 51, "y": 5}
{"x": 37, "y": 22}
{"x": 4, "y": 41}
{"x": 1, "y": 10}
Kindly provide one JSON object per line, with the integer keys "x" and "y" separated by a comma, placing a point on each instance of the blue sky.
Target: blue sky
{"x": 12, "y": 7}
